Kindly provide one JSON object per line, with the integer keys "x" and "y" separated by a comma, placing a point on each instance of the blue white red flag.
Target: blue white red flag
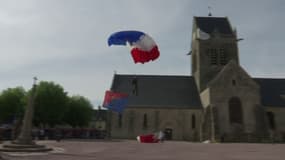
{"x": 115, "y": 101}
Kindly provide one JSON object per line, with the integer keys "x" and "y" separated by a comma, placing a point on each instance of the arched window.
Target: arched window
{"x": 145, "y": 121}
{"x": 193, "y": 118}
{"x": 156, "y": 119}
{"x": 131, "y": 120}
{"x": 234, "y": 82}
{"x": 235, "y": 110}
{"x": 271, "y": 120}
{"x": 120, "y": 122}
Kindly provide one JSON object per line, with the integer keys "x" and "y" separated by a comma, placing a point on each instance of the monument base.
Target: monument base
{"x": 14, "y": 147}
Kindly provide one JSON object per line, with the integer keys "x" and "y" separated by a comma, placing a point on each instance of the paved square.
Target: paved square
{"x": 169, "y": 150}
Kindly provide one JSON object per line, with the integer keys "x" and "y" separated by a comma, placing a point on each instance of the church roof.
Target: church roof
{"x": 158, "y": 90}
{"x": 209, "y": 24}
{"x": 272, "y": 91}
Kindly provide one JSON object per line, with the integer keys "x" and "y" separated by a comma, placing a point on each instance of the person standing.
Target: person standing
{"x": 161, "y": 136}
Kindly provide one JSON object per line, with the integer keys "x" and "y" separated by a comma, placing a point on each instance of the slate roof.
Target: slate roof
{"x": 181, "y": 91}
{"x": 272, "y": 91}
{"x": 209, "y": 24}
{"x": 158, "y": 91}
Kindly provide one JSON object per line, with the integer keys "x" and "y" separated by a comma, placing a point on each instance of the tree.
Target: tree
{"x": 50, "y": 104}
{"x": 79, "y": 111}
{"x": 12, "y": 102}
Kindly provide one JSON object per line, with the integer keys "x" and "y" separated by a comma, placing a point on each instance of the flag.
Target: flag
{"x": 115, "y": 101}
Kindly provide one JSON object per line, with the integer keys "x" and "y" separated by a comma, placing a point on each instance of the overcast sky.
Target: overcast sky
{"x": 65, "y": 41}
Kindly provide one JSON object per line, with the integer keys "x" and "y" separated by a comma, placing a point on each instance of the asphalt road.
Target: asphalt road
{"x": 169, "y": 150}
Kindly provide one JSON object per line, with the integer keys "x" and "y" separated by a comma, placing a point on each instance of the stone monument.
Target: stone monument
{"x": 24, "y": 142}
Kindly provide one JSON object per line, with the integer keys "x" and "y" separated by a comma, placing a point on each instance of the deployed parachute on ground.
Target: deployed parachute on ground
{"x": 144, "y": 49}
{"x": 151, "y": 138}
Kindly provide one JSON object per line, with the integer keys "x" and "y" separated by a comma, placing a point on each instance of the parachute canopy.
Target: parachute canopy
{"x": 143, "y": 46}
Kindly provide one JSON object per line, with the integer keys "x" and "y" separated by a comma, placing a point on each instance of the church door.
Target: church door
{"x": 235, "y": 111}
{"x": 236, "y": 116}
{"x": 168, "y": 133}
{"x": 271, "y": 120}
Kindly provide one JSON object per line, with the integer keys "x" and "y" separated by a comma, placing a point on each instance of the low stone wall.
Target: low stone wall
{"x": 253, "y": 138}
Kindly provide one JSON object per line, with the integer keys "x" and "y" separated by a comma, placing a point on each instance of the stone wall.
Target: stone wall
{"x": 179, "y": 120}
{"x": 234, "y": 82}
{"x": 278, "y": 134}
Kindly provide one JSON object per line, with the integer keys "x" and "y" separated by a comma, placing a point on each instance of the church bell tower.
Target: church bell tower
{"x": 214, "y": 44}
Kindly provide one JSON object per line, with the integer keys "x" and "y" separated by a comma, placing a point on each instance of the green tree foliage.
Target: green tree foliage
{"x": 50, "y": 104}
{"x": 79, "y": 112}
{"x": 12, "y": 102}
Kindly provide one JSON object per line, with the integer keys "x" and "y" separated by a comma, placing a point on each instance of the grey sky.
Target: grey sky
{"x": 65, "y": 41}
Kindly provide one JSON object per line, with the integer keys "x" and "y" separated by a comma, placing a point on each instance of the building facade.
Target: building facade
{"x": 220, "y": 101}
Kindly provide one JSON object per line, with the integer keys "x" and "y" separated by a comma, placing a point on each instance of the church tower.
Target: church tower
{"x": 214, "y": 44}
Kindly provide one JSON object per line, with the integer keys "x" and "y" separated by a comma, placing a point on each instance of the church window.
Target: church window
{"x": 156, "y": 119}
{"x": 235, "y": 110}
{"x": 234, "y": 82}
{"x": 213, "y": 56}
{"x": 144, "y": 121}
{"x": 271, "y": 120}
{"x": 131, "y": 120}
{"x": 223, "y": 56}
{"x": 193, "y": 118}
{"x": 120, "y": 117}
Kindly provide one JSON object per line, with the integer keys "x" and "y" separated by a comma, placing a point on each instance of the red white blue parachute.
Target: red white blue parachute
{"x": 144, "y": 49}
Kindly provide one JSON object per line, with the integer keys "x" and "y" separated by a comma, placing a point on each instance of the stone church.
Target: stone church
{"x": 220, "y": 101}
